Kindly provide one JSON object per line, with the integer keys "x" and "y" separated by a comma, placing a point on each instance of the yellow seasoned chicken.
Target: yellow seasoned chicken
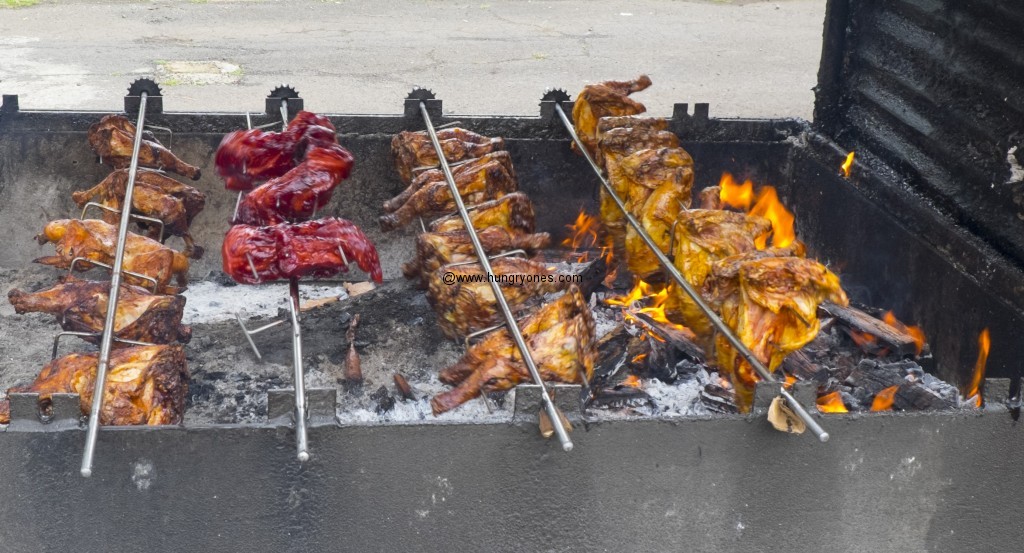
{"x": 512, "y": 211}
{"x": 559, "y": 336}
{"x": 771, "y": 303}
{"x": 436, "y": 175}
{"x": 610, "y": 98}
{"x": 434, "y": 249}
{"x": 414, "y": 152}
{"x": 145, "y": 384}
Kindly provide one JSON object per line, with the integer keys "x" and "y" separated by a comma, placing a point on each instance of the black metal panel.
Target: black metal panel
{"x": 935, "y": 90}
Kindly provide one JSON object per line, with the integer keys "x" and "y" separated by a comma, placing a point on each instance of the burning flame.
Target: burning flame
{"x": 790, "y": 380}
{"x": 847, "y": 165}
{"x": 638, "y": 359}
{"x": 831, "y": 403}
{"x": 974, "y": 391}
{"x": 583, "y": 234}
{"x": 883, "y": 401}
{"x": 915, "y": 332}
{"x": 767, "y": 205}
{"x": 862, "y": 339}
{"x": 633, "y": 381}
{"x": 653, "y": 298}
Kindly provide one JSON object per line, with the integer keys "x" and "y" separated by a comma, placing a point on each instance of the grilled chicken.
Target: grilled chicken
{"x": 771, "y": 303}
{"x": 434, "y": 249}
{"x": 607, "y": 99}
{"x": 637, "y": 133}
{"x": 488, "y": 182}
{"x": 703, "y": 237}
{"x": 300, "y": 192}
{"x": 559, "y": 336}
{"x": 466, "y": 307}
{"x": 81, "y": 306}
{"x": 660, "y": 185}
{"x": 247, "y": 157}
{"x": 414, "y": 152}
{"x": 710, "y": 198}
{"x": 512, "y": 211}
{"x": 155, "y": 195}
{"x": 436, "y": 175}
{"x": 96, "y": 240}
{"x": 144, "y": 385}
{"x": 287, "y": 250}
{"x": 113, "y": 139}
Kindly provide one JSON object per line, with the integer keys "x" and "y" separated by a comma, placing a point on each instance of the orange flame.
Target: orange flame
{"x": 862, "y": 339}
{"x": 583, "y": 234}
{"x": 638, "y": 359}
{"x": 790, "y": 380}
{"x": 974, "y": 391}
{"x": 847, "y": 165}
{"x": 767, "y": 205}
{"x": 915, "y": 332}
{"x": 653, "y": 298}
{"x": 832, "y": 403}
{"x": 883, "y": 401}
{"x": 632, "y": 381}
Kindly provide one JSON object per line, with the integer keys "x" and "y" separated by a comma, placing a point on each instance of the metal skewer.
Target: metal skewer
{"x": 115, "y": 288}
{"x": 301, "y": 444}
{"x": 670, "y": 268}
{"x": 513, "y": 328}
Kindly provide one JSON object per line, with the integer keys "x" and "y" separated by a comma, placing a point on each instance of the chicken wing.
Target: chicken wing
{"x": 610, "y": 98}
{"x": 113, "y": 139}
{"x": 489, "y": 182}
{"x": 81, "y": 306}
{"x": 144, "y": 385}
{"x": 300, "y": 192}
{"x": 512, "y": 211}
{"x": 414, "y": 152}
{"x": 465, "y": 305}
{"x": 436, "y": 175}
{"x": 559, "y": 336}
{"x": 434, "y": 249}
{"x": 96, "y": 240}
{"x": 771, "y": 304}
{"x": 155, "y": 195}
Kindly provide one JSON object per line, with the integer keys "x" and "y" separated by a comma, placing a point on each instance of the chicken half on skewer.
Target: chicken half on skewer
{"x": 610, "y": 98}
{"x": 96, "y": 240}
{"x": 413, "y": 152}
{"x": 81, "y": 306}
{"x": 512, "y": 211}
{"x": 436, "y": 175}
{"x": 113, "y": 139}
{"x": 434, "y": 249}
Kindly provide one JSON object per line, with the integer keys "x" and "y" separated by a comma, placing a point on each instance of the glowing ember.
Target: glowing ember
{"x": 974, "y": 390}
{"x": 790, "y": 380}
{"x": 847, "y": 165}
{"x": 767, "y": 205}
{"x": 915, "y": 332}
{"x": 638, "y": 359}
{"x": 583, "y": 235}
{"x": 649, "y": 300}
{"x": 831, "y": 403}
{"x": 883, "y": 401}
{"x": 632, "y": 381}
{"x": 862, "y": 339}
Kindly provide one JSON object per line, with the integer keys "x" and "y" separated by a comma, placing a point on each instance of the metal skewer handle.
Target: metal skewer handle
{"x": 669, "y": 267}
{"x": 513, "y": 327}
{"x": 301, "y": 443}
{"x": 115, "y": 289}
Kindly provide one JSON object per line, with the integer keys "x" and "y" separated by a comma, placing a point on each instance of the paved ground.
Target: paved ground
{"x": 746, "y": 57}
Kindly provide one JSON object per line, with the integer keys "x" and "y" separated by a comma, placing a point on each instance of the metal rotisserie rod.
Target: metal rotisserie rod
{"x": 667, "y": 264}
{"x": 115, "y": 287}
{"x": 301, "y": 445}
{"x": 513, "y": 327}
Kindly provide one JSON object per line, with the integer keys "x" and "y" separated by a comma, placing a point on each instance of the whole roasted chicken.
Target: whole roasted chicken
{"x": 488, "y": 182}
{"x": 144, "y": 385}
{"x": 465, "y": 303}
{"x": 247, "y": 157}
{"x": 323, "y": 247}
{"x": 771, "y": 303}
{"x": 113, "y": 139}
{"x": 81, "y": 306}
{"x": 436, "y": 175}
{"x": 300, "y": 192}
{"x": 559, "y": 336}
{"x": 512, "y": 211}
{"x": 413, "y": 152}
{"x": 610, "y": 98}
{"x": 435, "y": 249}
{"x": 155, "y": 195}
{"x": 96, "y": 240}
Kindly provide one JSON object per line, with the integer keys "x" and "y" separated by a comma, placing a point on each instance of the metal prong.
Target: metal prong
{"x": 74, "y": 261}
{"x": 135, "y": 216}
{"x": 344, "y": 258}
{"x": 249, "y": 333}
{"x": 252, "y": 266}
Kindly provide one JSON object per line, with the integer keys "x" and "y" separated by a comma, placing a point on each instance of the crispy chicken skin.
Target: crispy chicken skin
{"x": 560, "y": 337}
{"x": 771, "y": 303}
{"x": 436, "y": 175}
{"x": 512, "y": 211}
{"x": 96, "y": 240}
{"x": 81, "y": 306}
{"x": 610, "y": 98}
{"x": 466, "y": 307}
{"x": 413, "y": 151}
{"x": 434, "y": 249}
{"x": 489, "y": 182}
{"x": 145, "y": 384}
{"x": 638, "y": 133}
{"x": 155, "y": 195}
{"x": 113, "y": 139}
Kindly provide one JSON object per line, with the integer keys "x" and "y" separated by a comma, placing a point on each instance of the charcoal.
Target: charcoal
{"x": 871, "y": 377}
{"x": 611, "y": 352}
{"x": 618, "y": 397}
{"x": 913, "y": 396}
{"x": 800, "y": 365}
{"x": 385, "y": 401}
{"x": 718, "y": 399}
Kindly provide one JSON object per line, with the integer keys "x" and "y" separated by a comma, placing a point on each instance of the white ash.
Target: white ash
{"x": 210, "y": 302}
{"x": 363, "y": 410}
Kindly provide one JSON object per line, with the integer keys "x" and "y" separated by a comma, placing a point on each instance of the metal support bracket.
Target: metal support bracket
{"x": 321, "y": 406}
{"x": 529, "y": 403}
{"x": 427, "y": 97}
{"x": 554, "y": 97}
{"x": 10, "y": 104}
{"x": 286, "y": 95}
{"x": 27, "y": 415}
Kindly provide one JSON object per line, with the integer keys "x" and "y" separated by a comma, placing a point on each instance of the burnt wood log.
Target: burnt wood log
{"x": 684, "y": 341}
{"x": 871, "y": 377}
{"x": 897, "y": 342}
{"x": 800, "y": 365}
{"x": 912, "y": 396}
